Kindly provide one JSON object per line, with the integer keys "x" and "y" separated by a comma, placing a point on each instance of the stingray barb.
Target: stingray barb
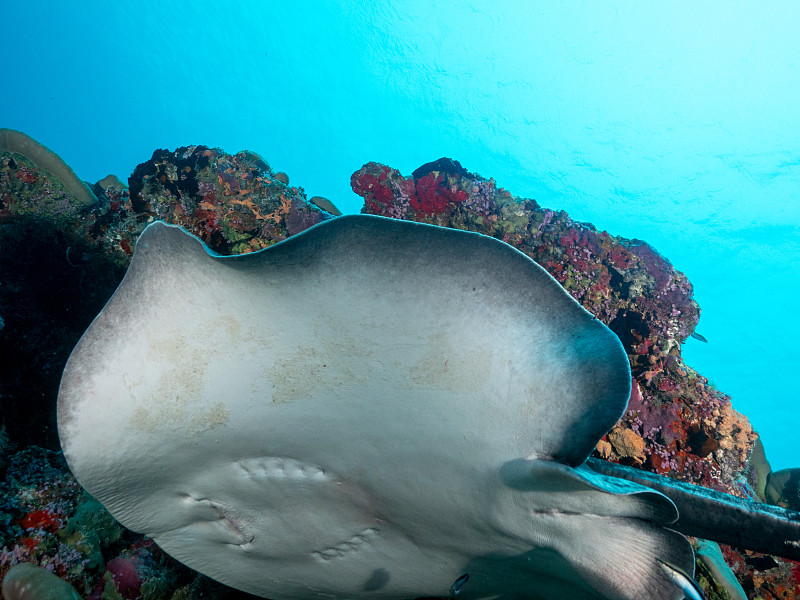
{"x": 370, "y": 409}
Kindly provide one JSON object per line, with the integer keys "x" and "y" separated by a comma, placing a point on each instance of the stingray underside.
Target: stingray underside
{"x": 335, "y": 415}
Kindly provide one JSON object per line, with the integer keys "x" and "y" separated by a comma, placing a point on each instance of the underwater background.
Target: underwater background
{"x": 588, "y": 134}
{"x": 672, "y": 123}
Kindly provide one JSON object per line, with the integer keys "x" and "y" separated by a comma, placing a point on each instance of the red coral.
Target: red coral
{"x": 25, "y": 175}
{"x": 434, "y": 197}
{"x": 570, "y": 238}
{"x": 30, "y": 543}
{"x": 619, "y": 256}
{"x": 371, "y": 183}
{"x": 795, "y": 570}
{"x": 41, "y": 519}
{"x": 555, "y": 269}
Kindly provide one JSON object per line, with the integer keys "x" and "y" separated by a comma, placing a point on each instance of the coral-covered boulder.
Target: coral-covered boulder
{"x": 234, "y": 203}
{"x": 26, "y": 581}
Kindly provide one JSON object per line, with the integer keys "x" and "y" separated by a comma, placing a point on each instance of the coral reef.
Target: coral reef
{"x": 49, "y": 521}
{"x": 233, "y": 203}
{"x": 61, "y": 260}
{"x": 28, "y": 151}
{"x": 54, "y": 276}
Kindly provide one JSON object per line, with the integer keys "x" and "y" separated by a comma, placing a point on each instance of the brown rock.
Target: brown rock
{"x": 627, "y": 443}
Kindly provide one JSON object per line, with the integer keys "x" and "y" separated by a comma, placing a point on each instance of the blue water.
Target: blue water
{"x": 674, "y": 123}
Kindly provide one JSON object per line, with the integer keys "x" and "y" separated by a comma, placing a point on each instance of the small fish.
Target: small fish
{"x": 697, "y": 336}
{"x": 456, "y": 587}
{"x": 683, "y": 580}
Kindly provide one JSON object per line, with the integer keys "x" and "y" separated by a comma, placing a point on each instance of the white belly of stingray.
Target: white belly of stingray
{"x": 358, "y": 412}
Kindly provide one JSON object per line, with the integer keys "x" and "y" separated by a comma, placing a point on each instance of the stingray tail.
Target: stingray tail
{"x": 712, "y": 515}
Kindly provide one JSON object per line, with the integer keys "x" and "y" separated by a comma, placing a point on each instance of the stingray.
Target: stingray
{"x": 370, "y": 409}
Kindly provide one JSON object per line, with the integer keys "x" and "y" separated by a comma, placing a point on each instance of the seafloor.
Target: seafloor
{"x": 63, "y": 250}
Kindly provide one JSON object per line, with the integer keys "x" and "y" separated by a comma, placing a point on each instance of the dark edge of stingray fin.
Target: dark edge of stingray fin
{"x": 720, "y": 517}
